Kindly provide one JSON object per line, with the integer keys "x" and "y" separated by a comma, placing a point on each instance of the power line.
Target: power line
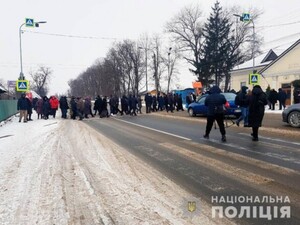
{"x": 277, "y": 25}
{"x": 71, "y": 36}
{"x": 284, "y": 37}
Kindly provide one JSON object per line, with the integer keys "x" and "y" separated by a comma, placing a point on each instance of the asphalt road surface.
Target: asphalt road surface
{"x": 213, "y": 171}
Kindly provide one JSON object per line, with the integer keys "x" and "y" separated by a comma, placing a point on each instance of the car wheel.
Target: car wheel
{"x": 191, "y": 112}
{"x": 294, "y": 119}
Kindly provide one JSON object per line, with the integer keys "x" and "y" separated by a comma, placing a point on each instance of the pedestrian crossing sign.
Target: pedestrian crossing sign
{"x": 254, "y": 78}
{"x": 29, "y": 22}
{"x": 246, "y": 17}
{"x": 22, "y": 85}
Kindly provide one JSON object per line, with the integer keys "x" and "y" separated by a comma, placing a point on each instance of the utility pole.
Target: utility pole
{"x": 169, "y": 75}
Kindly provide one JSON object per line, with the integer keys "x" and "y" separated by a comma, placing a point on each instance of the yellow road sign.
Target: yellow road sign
{"x": 22, "y": 85}
{"x": 254, "y": 78}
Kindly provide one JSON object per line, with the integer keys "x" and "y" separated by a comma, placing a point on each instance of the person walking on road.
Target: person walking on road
{"x": 215, "y": 112}
{"x": 23, "y": 106}
{"x": 53, "y": 105}
{"x": 63, "y": 105}
{"x": 282, "y": 96}
{"x": 242, "y": 100}
{"x": 257, "y": 103}
{"x": 273, "y": 97}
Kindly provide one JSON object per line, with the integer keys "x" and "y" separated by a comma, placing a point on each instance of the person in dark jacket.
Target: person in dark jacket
{"x": 39, "y": 108}
{"x": 215, "y": 102}
{"x": 63, "y": 105}
{"x": 242, "y": 100}
{"x": 29, "y": 109}
{"x": 124, "y": 105}
{"x": 257, "y": 102}
{"x": 74, "y": 108}
{"x": 22, "y": 106}
{"x": 104, "y": 111}
{"x": 46, "y": 107}
{"x": 170, "y": 103}
{"x": 148, "y": 100}
{"x": 179, "y": 103}
{"x": 87, "y": 107}
{"x": 282, "y": 96}
{"x": 273, "y": 96}
{"x": 98, "y": 105}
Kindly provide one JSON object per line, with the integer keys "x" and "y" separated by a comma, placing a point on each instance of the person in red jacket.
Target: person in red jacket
{"x": 53, "y": 105}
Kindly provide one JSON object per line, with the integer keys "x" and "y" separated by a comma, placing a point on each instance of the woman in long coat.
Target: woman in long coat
{"x": 39, "y": 108}
{"x": 258, "y": 100}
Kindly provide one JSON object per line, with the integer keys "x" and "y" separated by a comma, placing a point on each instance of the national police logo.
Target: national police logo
{"x": 190, "y": 207}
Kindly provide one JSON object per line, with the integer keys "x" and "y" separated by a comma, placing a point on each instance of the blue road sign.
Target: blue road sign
{"x": 29, "y": 22}
{"x": 246, "y": 17}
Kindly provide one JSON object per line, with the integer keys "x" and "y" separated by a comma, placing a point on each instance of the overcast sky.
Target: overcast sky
{"x": 99, "y": 23}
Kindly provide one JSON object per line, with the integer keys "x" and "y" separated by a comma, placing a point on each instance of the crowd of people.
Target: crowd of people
{"x": 274, "y": 96}
{"x": 78, "y": 107}
{"x": 161, "y": 102}
{"x": 252, "y": 105}
{"x": 44, "y": 107}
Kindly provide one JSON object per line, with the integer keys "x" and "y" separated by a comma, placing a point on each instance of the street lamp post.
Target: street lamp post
{"x": 169, "y": 53}
{"x": 20, "y": 37}
{"x": 253, "y": 40}
{"x": 253, "y": 47}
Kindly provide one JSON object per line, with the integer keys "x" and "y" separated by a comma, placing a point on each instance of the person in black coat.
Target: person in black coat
{"x": 98, "y": 105}
{"x": 73, "y": 104}
{"x": 257, "y": 102}
{"x": 29, "y": 109}
{"x": 282, "y": 96}
{"x": 273, "y": 97}
{"x": 148, "y": 100}
{"x": 46, "y": 107}
{"x": 215, "y": 102}
{"x": 124, "y": 105}
{"x": 63, "y": 105}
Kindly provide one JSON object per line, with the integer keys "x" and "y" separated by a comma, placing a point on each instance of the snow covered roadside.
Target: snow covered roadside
{"x": 63, "y": 172}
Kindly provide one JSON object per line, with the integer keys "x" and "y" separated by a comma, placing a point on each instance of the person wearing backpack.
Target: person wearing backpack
{"x": 215, "y": 102}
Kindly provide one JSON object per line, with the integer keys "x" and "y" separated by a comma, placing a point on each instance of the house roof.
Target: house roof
{"x": 2, "y": 89}
{"x": 280, "y": 56}
{"x": 261, "y": 60}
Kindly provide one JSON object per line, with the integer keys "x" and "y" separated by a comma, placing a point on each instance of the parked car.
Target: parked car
{"x": 198, "y": 107}
{"x": 291, "y": 115}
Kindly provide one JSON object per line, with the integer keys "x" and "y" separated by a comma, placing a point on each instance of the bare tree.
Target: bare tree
{"x": 144, "y": 45}
{"x": 173, "y": 56}
{"x": 186, "y": 30}
{"x": 158, "y": 66}
{"x": 40, "y": 80}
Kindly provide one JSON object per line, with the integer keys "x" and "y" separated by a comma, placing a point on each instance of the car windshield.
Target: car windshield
{"x": 229, "y": 96}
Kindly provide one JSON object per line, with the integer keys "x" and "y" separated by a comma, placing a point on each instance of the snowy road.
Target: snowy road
{"x": 64, "y": 172}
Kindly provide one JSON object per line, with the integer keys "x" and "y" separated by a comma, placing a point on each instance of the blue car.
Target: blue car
{"x": 198, "y": 107}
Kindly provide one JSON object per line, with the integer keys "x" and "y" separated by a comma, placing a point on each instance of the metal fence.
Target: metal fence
{"x": 7, "y": 108}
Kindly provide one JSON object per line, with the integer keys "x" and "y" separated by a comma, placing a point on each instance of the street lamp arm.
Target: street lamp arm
{"x": 20, "y": 37}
